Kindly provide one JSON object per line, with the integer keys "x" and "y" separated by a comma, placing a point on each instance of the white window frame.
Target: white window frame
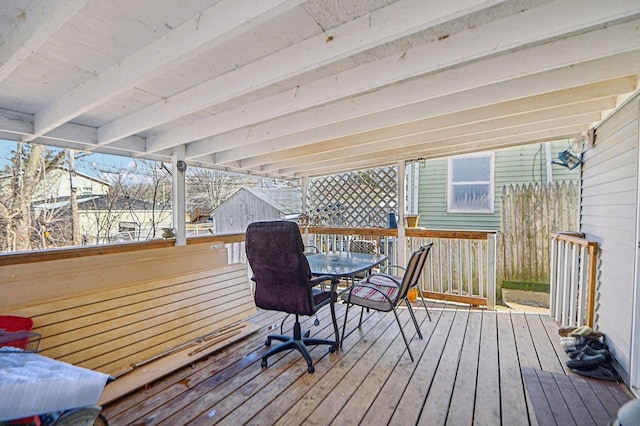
{"x": 491, "y": 183}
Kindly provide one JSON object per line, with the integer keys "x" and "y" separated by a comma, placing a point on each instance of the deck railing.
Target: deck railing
{"x": 460, "y": 268}
{"x": 573, "y": 280}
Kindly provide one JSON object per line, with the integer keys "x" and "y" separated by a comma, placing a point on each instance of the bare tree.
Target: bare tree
{"x": 29, "y": 166}
{"x": 138, "y": 204}
{"x": 138, "y": 201}
{"x": 207, "y": 188}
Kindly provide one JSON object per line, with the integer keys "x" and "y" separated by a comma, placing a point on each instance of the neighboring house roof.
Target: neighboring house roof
{"x": 104, "y": 202}
{"x": 98, "y": 202}
{"x": 287, "y": 200}
{"x": 86, "y": 176}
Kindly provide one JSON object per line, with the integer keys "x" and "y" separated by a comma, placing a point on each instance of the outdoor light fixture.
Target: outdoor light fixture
{"x": 568, "y": 159}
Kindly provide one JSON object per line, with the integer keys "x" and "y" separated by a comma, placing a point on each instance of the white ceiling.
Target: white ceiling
{"x": 297, "y": 88}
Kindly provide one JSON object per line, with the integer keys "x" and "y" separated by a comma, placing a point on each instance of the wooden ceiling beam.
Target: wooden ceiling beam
{"x": 352, "y": 93}
{"x": 216, "y": 25}
{"x": 340, "y": 165}
{"x": 380, "y": 27}
{"x": 576, "y": 77}
{"x": 587, "y": 111}
{"x": 35, "y": 25}
{"x": 518, "y": 74}
{"x": 416, "y": 145}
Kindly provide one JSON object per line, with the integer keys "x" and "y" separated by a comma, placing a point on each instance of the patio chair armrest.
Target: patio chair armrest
{"x": 386, "y": 268}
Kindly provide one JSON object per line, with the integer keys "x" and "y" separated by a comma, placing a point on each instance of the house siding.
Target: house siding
{"x": 608, "y": 215}
{"x": 518, "y": 165}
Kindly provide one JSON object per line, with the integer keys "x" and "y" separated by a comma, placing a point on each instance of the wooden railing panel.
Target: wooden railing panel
{"x": 118, "y": 310}
{"x": 461, "y": 266}
{"x": 573, "y": 275}
{"x": 23, "y": 284}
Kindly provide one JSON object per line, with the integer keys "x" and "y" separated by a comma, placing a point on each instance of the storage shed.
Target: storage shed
{"x": 253, "y": 204}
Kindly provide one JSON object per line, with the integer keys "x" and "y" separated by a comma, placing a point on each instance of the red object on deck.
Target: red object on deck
{"x": 13, "y": 323}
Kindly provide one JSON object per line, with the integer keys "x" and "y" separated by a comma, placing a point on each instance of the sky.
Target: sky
{"x": 95, "y": 165}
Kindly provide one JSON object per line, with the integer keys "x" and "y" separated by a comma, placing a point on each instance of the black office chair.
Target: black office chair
{"x": 275, "y": 252}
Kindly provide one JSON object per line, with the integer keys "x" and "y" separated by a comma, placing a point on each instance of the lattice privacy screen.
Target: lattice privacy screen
{"x": 356, "y": 199}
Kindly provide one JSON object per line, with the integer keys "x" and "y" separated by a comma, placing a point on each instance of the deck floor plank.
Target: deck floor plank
{"x": 283, "y": 402}
{"x": 409, "y": 406}
{"x": 544, "y": 416}
{"x": 304, "y": 381}
{"x": 444, "y": 380}
{"x": 247, "y": 380}
{"x": 527, "y": 352}
{"x": 146, "y": 401}
{"x": 461, "y": 406}
{"x": 323, "y": 389}
{"x": 387, "y": 399}
{"x": 212, "y": 374}
{"x": 511, "y": 384}
{"x": 571, "y": 396}
{"x": 362, "y": 400}
{"x": 473, "y": 367}
{"x": 344, "y": 389}
{"x": 547, "y": 355}
{"x": 487, "y": 403}
{"x": 552, "y": 331}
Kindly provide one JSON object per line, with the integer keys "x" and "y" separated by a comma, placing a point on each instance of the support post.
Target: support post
{"x": 178, "y": 171}
{"x": 491, "y": 271}
{"x": 402, "y": 240}
{"x": 305, "y": 204}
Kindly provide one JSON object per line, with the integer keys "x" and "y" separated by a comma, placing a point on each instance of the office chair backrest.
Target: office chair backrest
{"x": 281, "y": 272}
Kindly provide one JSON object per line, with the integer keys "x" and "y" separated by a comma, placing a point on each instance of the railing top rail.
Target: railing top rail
{"x": 409, "y": 232}
{"x": 73, "y": 252}
{"x": 85, "y": 251}
{"x": 574, "y": 239}
{"x": 369, "y": 232}
{"x": 450, "y": 234}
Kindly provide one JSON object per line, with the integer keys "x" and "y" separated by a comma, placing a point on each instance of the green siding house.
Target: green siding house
{"x": 464, "y": 192}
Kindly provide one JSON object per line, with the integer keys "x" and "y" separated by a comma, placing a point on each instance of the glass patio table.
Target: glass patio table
{"x": 343, "y": 264}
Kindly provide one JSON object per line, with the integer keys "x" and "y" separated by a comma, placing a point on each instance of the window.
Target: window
{"x": 470, "y": 184}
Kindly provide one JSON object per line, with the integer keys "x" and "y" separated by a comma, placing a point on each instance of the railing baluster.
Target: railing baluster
{"x": 582, "y": 287}
{"x": 552, "y": 276}
{"x": 573, "y": 286}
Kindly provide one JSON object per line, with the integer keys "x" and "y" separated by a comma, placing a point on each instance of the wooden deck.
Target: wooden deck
{"x": 468, "y": 370}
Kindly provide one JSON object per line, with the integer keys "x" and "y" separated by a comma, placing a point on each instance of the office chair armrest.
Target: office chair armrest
{"x": 317, "y": 280}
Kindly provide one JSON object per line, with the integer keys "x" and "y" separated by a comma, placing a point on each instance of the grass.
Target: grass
{"x": 514, "y": 285}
